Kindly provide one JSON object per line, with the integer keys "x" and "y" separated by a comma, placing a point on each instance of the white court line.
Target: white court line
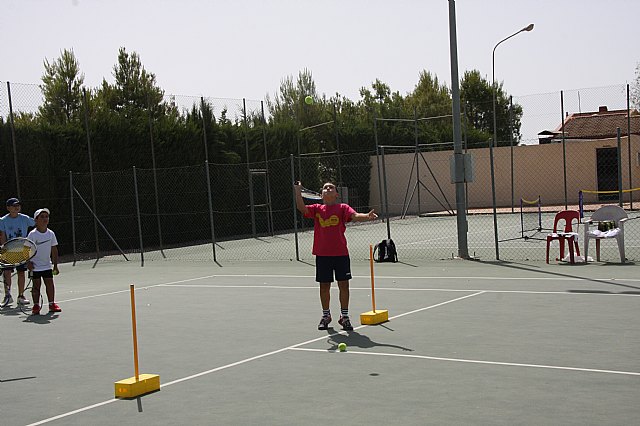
{"x": 244, "y": 361}
{"x": 476, "y": 361}
{"x": 405, "y": 277}
{"x": 138, "y": 288}
{"x": 465, "y": 290}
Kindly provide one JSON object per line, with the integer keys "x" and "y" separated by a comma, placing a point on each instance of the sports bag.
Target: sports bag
{"x": 385, "y": 251}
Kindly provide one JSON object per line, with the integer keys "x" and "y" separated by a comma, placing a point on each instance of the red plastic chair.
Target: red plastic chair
{"x": 567, "y": 234}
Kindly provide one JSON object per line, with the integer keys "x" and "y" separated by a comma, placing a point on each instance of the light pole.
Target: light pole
{"x": 495, "y": 134}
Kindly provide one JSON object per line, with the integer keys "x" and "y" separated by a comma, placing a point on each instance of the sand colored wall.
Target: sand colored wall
{"x": 538, "y": 170}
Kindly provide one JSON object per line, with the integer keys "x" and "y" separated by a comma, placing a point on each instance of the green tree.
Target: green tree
{"x": 134, "y": 87}
{"x": 476, "y": 95}
{"x": 288, "y": 103}
{"x": 62, "y": 89}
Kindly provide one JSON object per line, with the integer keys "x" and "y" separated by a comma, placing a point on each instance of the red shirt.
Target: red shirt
{"x": 328, "y": 229}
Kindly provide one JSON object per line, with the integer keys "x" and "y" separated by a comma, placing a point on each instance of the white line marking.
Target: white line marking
{"x": 234, "y": 364}
{"x": 475, "y": 361}
{"x": 405, "y": 277}
{"x": 466, "y": 290}
{"x": 70, "y": 413}
{"x": 137, "y": 288}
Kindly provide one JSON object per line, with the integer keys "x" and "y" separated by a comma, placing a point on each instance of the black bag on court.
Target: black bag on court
{"x": 385, "y": 251}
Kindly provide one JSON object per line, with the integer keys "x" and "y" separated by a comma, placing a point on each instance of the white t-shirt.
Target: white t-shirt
{"x": 44, "y": 241}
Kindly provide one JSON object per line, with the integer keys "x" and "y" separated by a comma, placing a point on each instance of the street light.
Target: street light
{"x": 495, "y": 133}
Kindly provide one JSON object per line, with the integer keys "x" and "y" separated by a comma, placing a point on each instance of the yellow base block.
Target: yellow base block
{"x": 130, "y": 388}
{"x": 372, "y": 317}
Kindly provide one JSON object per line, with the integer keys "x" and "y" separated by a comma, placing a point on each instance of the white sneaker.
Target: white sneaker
{"x": 23, "y": 300}
{"x": 7, "y": 300}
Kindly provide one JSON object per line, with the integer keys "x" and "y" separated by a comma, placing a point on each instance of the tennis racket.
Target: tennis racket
{"x": 16, "y": 252}
{"x": 309, "y": 194}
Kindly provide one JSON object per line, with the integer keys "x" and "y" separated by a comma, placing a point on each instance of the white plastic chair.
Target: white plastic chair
{"x": 605, "y": 213}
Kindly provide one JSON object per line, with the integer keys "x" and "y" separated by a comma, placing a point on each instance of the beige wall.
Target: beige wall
{"x": 538, "y": 170}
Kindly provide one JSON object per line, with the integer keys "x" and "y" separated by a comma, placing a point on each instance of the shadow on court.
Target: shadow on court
{"x": 355, "y": 339}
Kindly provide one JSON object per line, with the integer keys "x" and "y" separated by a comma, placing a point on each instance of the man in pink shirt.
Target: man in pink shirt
{"x": 330, "y": 248}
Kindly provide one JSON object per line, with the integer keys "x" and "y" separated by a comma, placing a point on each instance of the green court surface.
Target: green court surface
{"x": 468, "y": 342}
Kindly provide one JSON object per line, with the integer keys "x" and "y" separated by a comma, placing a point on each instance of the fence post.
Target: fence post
{"x": 13, "y": 140}
{"x": 415, "y": 137}
{"x": 249, "y": 177}
{"x": 375, "y": 138}
{"x": 511, "y": 144}
{"x": 155, "y": 177}
{"x": 213, "y": 232}
{"x": 135, "y": 191}
{"x": 629, "y": 147}
{"x": 204, "y": 131}
{"x": 266, "y": 168}
{"x": 73, "y": 218}
{"x": 619, "y": 161}
{"x": 564, "y": 152}
{"x": 335, "y": 126}
{"x": 93, "y": 190}
{"x": 386, "y": 199}
{"x": 295, "y": 209}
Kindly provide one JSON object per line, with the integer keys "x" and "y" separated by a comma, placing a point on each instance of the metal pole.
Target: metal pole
{"x": 466, "y": 150}
{"x": 204, "y": 132}
{"x": 249, "y": 177}
{"x": 495, "y": 133}
{"x": 335, "y": 126}
{"x": 629, "y": 149}
{"x": 386, "y": 198}
{"x": 93, "y": 190}
{"x": 415, "y": 136}
{"x": 564, "y": 152}
{"x": 155, "y": 178}
{"x": 266, "y": 168}
{"x": 511, "y": 144}
{"x": 210, "y": 197}
{"x": 461, "y": 211}
{"x": 493, "y": 178}
{"x": 73, "y": 218}
{"x": 135, "y": 191}
{"x": 375, "y": 137}
{"x": 618, "y": 134}
{"x": 295, "y": 209}
{"x": 13, "y": 141}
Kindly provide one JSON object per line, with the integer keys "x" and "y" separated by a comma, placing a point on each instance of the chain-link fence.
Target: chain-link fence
{"x": 552, "y": 148}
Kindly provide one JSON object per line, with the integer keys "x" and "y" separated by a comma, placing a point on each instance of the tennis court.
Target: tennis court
{"x": 418, "y": 239}
{"x": 467, "y": 343}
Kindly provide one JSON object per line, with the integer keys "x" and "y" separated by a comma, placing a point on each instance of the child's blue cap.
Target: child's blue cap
{"x": 12, "y": 202}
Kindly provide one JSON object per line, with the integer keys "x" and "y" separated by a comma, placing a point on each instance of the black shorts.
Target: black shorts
{"x": 42, "y": 274}
{"x": 20, "y": 268}
{"x": 325, "y": 265}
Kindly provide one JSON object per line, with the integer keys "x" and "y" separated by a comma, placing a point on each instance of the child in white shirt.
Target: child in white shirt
{"x": 44, "y": 265}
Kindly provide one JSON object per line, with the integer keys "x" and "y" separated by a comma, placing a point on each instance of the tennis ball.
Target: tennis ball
{"x": 342, "y": 347}
{"x": 55, "y": 272}
{"x": 308, "y": 100}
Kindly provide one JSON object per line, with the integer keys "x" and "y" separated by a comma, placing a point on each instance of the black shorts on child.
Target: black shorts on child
{"x": 326, "y": 265}
{"x": 42, "y": 274}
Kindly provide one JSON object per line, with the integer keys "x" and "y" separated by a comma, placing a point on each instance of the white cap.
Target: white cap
{"x": 37, "y": 213}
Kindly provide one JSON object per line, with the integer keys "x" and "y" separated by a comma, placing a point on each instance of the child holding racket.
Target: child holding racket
{"x": 330, "y": 248}
{"x": 44, "y": 265}
{"x": 14, "y": 225}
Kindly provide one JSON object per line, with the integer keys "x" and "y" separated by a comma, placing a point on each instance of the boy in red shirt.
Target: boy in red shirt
{"x": 330, "y": 247}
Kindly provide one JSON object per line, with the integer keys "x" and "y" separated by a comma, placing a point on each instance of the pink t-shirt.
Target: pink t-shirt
{"x": 328, "y": 229}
